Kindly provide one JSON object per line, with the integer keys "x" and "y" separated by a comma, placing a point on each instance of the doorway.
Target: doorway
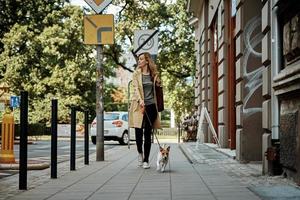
{"x": 231, "y": 74}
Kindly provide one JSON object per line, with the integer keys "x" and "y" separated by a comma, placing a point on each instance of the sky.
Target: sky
{"x": 79, "y": 3}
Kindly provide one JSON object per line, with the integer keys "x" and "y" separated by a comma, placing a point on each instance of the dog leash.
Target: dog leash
{"x": 152, "y": 128}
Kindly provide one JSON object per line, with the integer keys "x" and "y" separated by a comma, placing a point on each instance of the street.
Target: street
{"x": 41, "y": 151}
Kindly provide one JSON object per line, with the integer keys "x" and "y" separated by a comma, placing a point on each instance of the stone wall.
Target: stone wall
{"x": 286, "y": 86}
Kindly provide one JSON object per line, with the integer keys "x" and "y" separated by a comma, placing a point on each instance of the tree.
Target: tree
{"x": 46, "y": 57}
{"x": 176, "y": 58}
{"x": 25, "y": 13}
{"x": 42, "y": 52}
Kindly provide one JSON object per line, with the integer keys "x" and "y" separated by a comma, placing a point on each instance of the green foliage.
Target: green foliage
{"x": 50, "y": 61}
{"x": 42, "y": 52}
{"x": 165, "y": 118}
{"x": 36, "y": 129}
{"x": 115, "y": 106}
{"x": 165, "y": 115}
{"x": 30, "y": 13}
{"x": 110, "y": 104}
{"x": 176, "y": 58}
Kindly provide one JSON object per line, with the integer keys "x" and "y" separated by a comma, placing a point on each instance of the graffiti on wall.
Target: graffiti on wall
{"x": 252, "y": 75}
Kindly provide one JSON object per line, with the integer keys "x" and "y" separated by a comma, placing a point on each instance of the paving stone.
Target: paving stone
{"x": 279, "y": 192}
{"x": 213, "y": 176}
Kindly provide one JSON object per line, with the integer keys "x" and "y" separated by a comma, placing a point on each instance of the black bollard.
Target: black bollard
{"x": 54, "y": 139}
{"x": 86, "y": 137}
{"x": 23, "y": 141}
{"x": 73, "y": 138}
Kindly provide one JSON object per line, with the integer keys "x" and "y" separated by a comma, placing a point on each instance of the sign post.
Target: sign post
{"x": 99, "y": 30}
{"x": 99, "y": 106}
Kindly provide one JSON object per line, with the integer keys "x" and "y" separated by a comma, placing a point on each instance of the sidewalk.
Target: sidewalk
{"x": 118, "y": 177}
{"x": 250, "y": 174}
{"x": 213, "y": 174}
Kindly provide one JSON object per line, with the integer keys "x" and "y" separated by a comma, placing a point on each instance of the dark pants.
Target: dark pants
{"x": 151, "y": 112}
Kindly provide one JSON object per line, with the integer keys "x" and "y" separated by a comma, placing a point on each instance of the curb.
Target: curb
{"x": 186, "y": 153}
{"x": 17, "y": 142}
{"x": 189, "y": 155}
{"x": 28, "y": 142}
{"x": 220, "y": 150}
{"x": 30, "y": 166}
{"x": 40, "y": 165}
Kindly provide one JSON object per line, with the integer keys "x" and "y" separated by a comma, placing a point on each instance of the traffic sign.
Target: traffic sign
{"x": 15, "y": 101}
{"x": 98, "y": 5}
{"x": 140, "y": 36}
{"x": 99, "y": 29}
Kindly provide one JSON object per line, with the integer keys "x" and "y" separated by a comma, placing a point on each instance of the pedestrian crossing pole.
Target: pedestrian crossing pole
{"x": 128, "y": 106}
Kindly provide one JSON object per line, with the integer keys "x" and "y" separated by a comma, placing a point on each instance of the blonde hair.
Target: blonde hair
{"x": 151, "y": 65}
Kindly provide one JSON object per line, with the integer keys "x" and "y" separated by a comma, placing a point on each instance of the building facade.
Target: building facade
{"x": 248, "y": 78}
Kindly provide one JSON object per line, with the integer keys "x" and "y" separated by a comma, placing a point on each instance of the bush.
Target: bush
{"x": 37, "y": 129}
{"x": 165, "y": 123}
{"x": 166, "y": 115}
{"x": 116, "y": 107}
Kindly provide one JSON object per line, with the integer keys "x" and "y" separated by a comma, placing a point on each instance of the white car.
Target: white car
{"x": 115, "y": 128}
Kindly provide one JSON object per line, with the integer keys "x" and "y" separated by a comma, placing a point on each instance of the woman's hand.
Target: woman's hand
{"x": 142, "y": 105}
{"x": 158, "y": 82}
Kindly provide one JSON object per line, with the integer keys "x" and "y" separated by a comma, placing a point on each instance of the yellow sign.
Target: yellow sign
{"x": 99, "y": 29}
{"x": 98, "y": 2}
{"x": 98, "y": 5}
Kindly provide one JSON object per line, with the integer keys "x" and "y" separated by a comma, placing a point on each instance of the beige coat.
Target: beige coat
{"x": 135, "y": 112}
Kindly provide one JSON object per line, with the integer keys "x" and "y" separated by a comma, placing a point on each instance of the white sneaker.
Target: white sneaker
{"x": 146, "y": 165}
{"x": 140, "y": 159}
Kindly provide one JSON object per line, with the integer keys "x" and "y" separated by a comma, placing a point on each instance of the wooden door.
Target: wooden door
{"x": 231, "y": 78}
{"x": 214, "y": 71}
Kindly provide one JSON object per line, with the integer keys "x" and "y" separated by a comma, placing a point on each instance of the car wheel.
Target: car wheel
{"x": 93, "y": 138}
{"x": 124, "y": 139}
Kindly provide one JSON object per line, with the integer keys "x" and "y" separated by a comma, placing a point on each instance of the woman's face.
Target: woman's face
{"x": 142, "y": 61}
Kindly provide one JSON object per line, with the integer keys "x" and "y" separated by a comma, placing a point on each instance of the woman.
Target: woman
{"x": 143, "y": 109}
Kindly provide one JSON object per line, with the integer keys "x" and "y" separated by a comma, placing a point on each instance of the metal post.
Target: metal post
{"x": 86, "y": 137}
{"x": 54, "y": 139}
{"x": 180, "y": 130}
{"x": 276, "y": 57}
{"x": 99, "y": 106}
{"x": 73, "y": 138}
{"x": 178, "y": 133}
{"x": 23, "y": 141}
{"x": 128, "y": 104}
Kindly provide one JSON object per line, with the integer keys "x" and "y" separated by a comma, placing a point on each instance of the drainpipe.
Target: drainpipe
{"x": 276, "y": 62}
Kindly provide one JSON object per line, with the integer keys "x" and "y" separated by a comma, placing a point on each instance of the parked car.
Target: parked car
{"x": 115, "y": 127}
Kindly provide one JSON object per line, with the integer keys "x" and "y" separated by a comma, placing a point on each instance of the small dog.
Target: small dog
{"x": 162, "y": 158}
